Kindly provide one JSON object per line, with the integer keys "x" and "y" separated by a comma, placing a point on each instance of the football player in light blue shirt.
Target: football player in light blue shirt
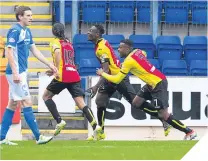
{"x": 19, "y": 42}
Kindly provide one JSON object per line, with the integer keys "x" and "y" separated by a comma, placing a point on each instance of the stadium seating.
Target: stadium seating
{"x": 169, "y": 48}
{"x": 143, "y": 11}
{"x": 68, "y": 11}
{"x": 114, "y": 40}
{"x": 155, "y": 62}
{"x": 176, "y": 12}
{"x": 199, "y": 12}
{"x": 198, "y": 68}
{"x": 121, "y": 11}
{"x": 195, "y": 48}
{"x": 83, "y": 83}
{"x": 83, "y": 48}
{"x": 94, "y": 11}
{"x": 88, "y": 67}
{"x": 164, "y": 48}
{"x": 144, "y": 42}
{"x": 175, "y": 68}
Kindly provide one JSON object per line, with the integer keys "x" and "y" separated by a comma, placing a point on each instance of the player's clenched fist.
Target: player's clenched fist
{"x": 99, "y": 71}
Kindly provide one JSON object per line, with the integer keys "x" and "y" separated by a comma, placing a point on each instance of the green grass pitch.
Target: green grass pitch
{"x": 105, "y": 150}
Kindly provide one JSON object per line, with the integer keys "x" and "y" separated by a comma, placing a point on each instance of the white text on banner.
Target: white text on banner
{"x": 187, "y": 100}
{"x": 63, "y": 100}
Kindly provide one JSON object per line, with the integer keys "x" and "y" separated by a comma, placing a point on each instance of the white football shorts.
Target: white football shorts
{"x": 18, "y": 91}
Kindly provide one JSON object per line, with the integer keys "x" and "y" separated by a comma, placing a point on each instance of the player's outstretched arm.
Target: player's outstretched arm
{"x": 112, "y": 78}
{"x": 40, "y": 57}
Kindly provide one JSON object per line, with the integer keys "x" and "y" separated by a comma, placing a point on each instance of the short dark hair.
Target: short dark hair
{"x": 20, "y": 10}
{"x": 100, "y": 28}
{"x": 127, "y": 42}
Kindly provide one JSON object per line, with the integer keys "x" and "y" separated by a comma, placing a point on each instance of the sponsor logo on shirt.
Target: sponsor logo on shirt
{"x": 11, "y": 39}
{"x": 27, "y": 41}
{"x": 70, "y": 69}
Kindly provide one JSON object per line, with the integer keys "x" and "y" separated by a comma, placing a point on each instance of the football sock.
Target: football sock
{"x": 53, "y": 110}
{"x": 101, "y": 116}
{"x": 6, "y": 123}
{"x": 90, "y": 117}
{"x": 31, "y": 121}
{"x": 177, "y": 124}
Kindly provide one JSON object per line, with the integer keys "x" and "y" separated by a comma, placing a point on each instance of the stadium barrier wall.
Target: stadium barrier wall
{"x": 187, "y": 99}
{"x": 15, "y": 130}
{"x": 188, "y": 103}
{"x": 64, "y": 100}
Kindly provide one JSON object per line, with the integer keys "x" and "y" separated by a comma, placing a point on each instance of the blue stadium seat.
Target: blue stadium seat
{"x": 175, "y": 68}
{"x": 94, "y": 11}
{"x": 143, "y": 11}
{"x": 198, "y": 68}
{"x": 56, "y": 10}
{"x": 121, "y": 11}
{"x": 155, "y": 62}
{"x": 68, "y": 11}
{"x": 83, "y": 84}
{"x": 88, "y": 66}
{"x": 169, "y": 48}
{"x": 195, "y": 48}
{"x": 81, "y": 40}
{"x": 114, "y": 40}
{"x": 83, "y": 48}
{"x": 144, "y": 42}
{"x": 199, "y": 12}
{"x": 176, "y": 12}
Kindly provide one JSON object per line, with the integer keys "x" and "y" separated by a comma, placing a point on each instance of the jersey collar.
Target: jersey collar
{"x": 24, "y": 28}
{"x": 99, "y": 40}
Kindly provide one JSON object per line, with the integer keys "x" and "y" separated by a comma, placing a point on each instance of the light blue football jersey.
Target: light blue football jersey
{"x": 20, "y": 39}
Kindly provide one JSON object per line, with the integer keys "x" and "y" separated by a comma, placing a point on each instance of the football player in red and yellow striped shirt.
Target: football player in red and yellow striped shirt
{"x": 67, "y": 78}
{"x": 110, "y": 64}
{"x": 155, "y": 88}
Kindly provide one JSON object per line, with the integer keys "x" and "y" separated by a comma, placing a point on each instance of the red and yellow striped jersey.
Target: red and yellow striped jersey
{"x": 137, "y": 63}
{"x": 105, "y": 53}
{"x": 67, "y": 69}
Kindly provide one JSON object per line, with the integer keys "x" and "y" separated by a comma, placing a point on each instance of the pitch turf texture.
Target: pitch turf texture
{"x": 105, "y": 150}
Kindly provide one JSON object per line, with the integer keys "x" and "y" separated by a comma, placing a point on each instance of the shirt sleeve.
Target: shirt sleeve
{"x": 102, "y": 55}
{"x": 12, "y": 38}
{"x": 126, "y": 66}
{"x": 55, "y": 45}
{"x": 114, "y": 78}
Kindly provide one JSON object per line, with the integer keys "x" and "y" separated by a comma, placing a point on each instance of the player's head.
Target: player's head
{"x": 125, "y": 47}
{"x": 95, "y": 32}
{"x": 58, "y": 31}
{"x": 24, "y": 15}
